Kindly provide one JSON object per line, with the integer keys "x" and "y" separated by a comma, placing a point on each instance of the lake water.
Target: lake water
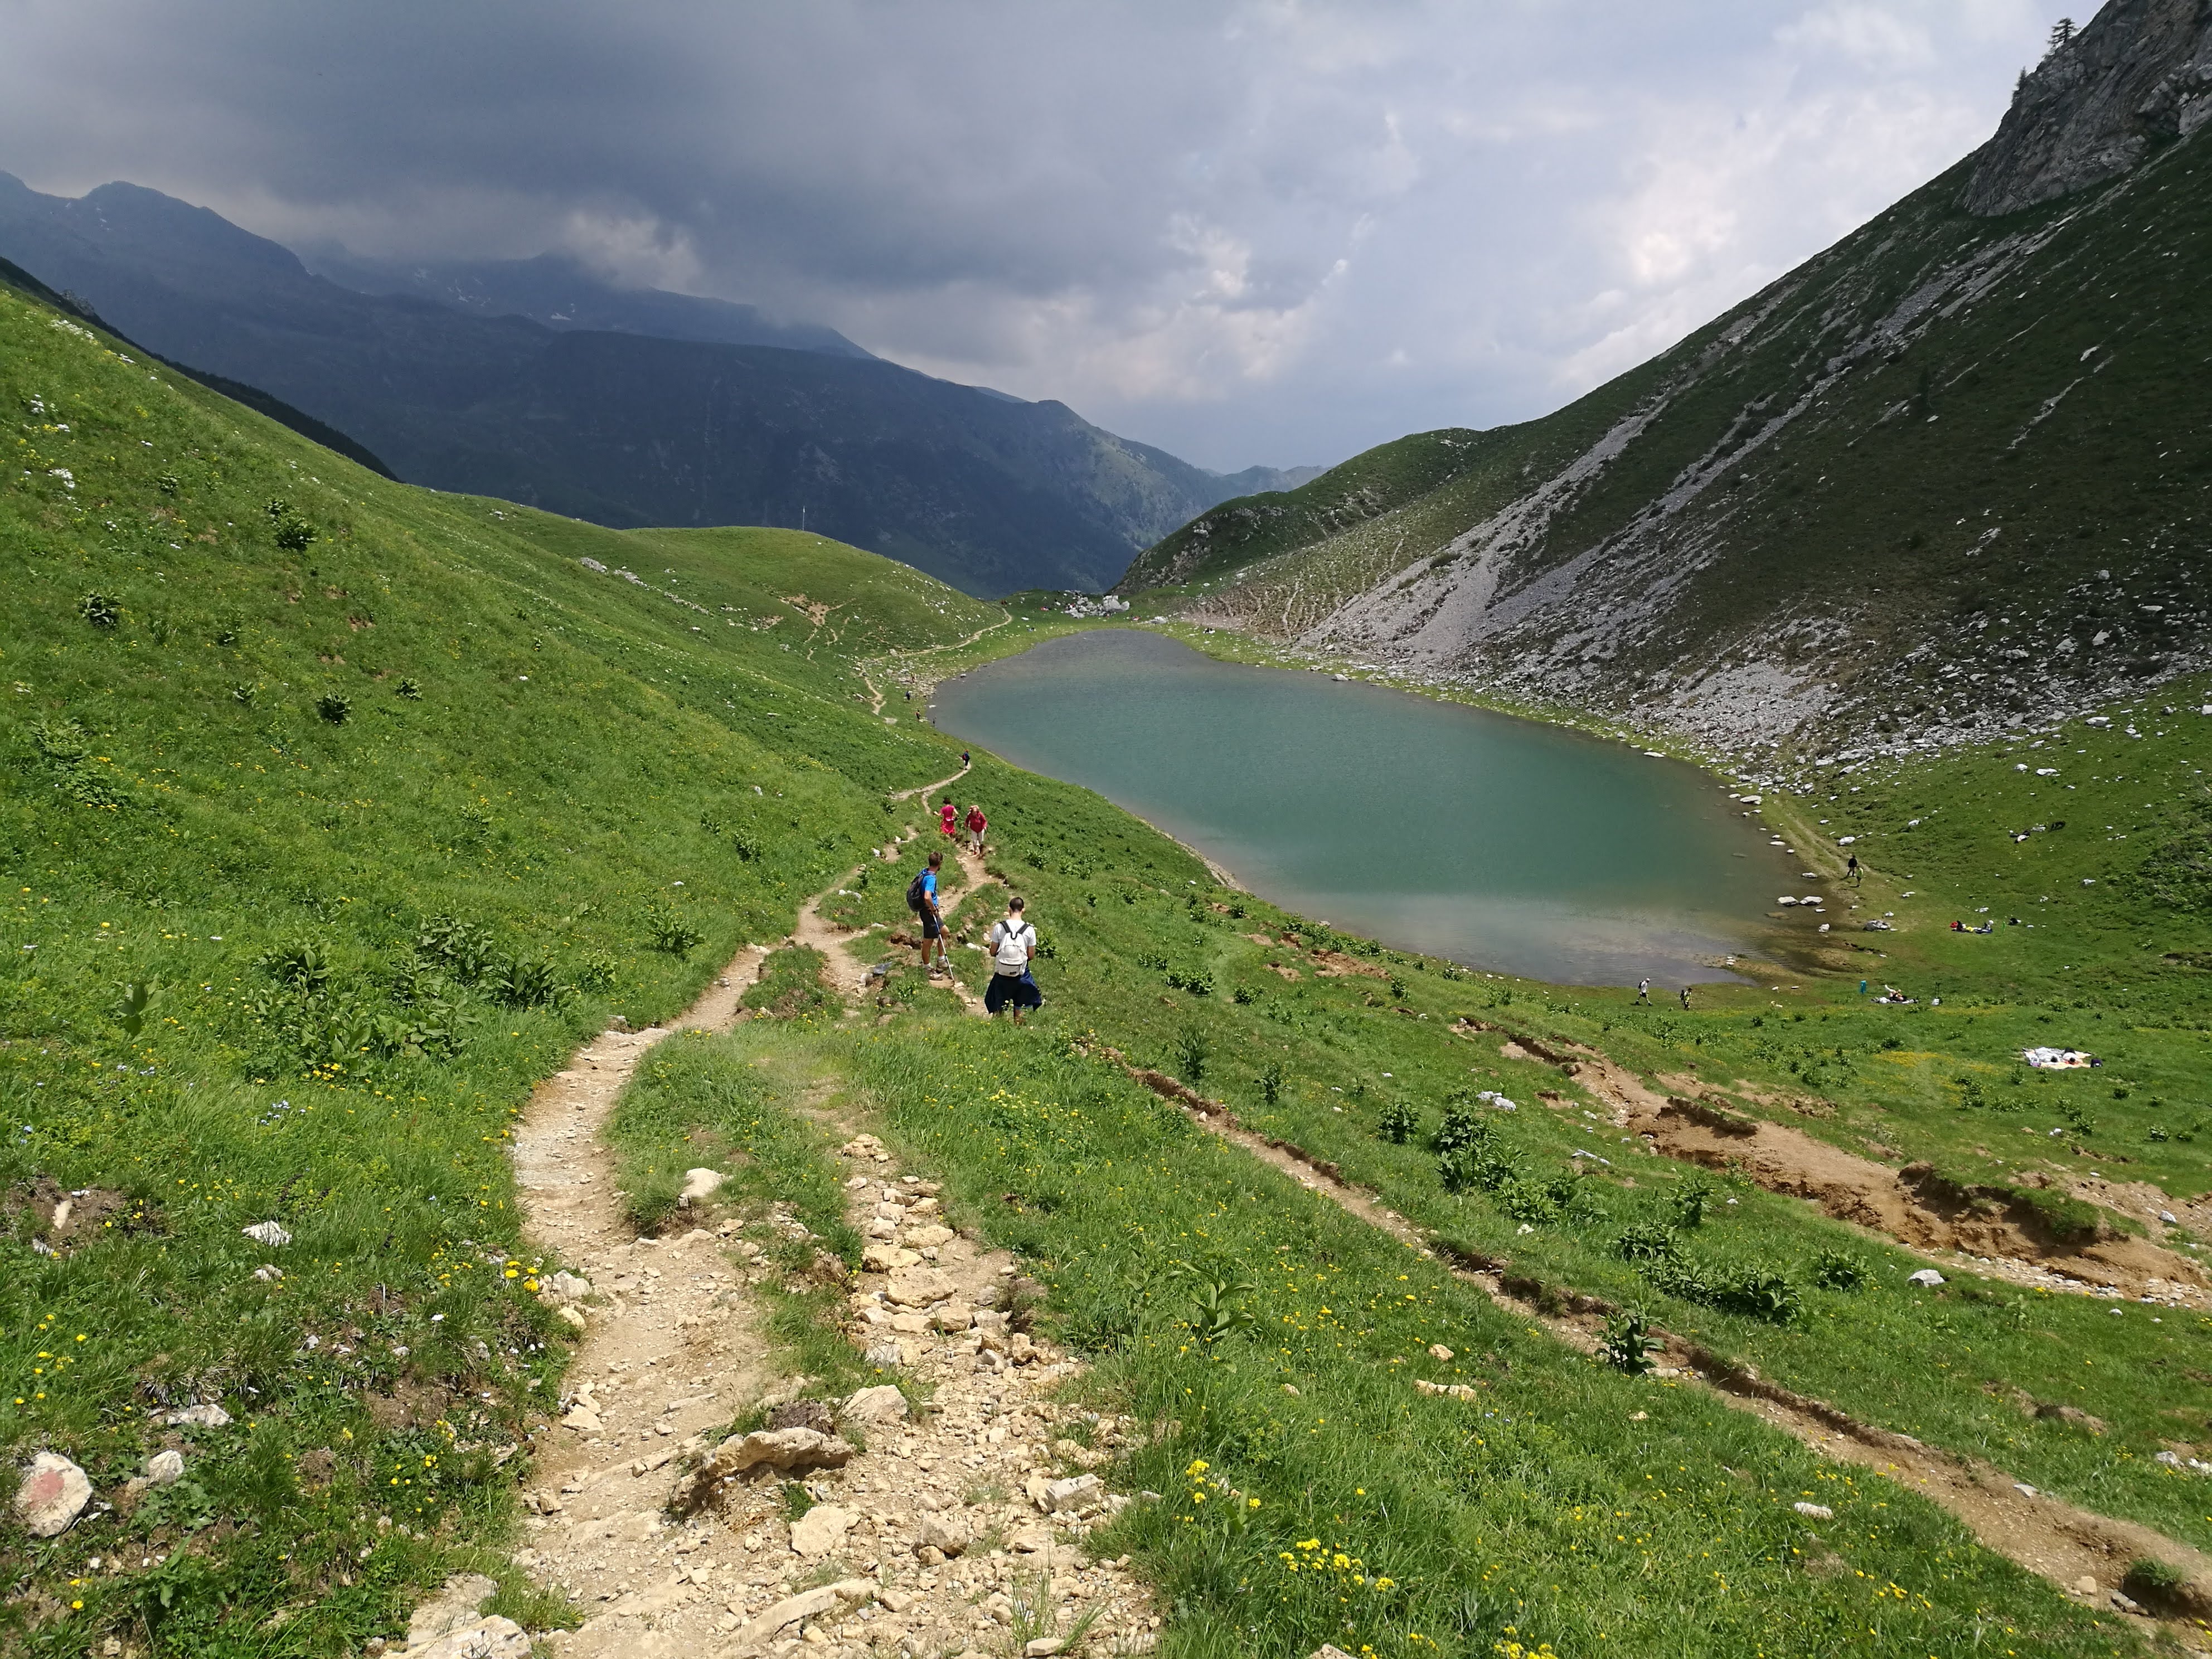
{"x": 1499, "y": 842}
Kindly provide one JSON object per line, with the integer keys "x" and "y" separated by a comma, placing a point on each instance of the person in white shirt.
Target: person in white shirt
{"x": 1011, "y": 942}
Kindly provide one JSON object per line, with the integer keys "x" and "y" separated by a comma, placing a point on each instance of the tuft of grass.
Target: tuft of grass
{"x": 791, "y": 985}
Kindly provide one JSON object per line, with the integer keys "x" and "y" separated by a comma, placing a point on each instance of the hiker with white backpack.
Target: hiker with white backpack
{"x": 1011, "y": 942}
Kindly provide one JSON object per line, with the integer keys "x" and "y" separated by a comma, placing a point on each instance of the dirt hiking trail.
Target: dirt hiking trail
{"x": 852, "y": 1527}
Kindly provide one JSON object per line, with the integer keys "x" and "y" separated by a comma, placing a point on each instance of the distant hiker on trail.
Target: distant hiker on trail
{"x": 1011, "y": 942}
{"x": 976, "y": 824}
{"x": 963, "y": 760}
{"x": 1851, "y": 869}
{"x": 948, "y": 817}
{"x": 1644, "y": 992}
{"x": 1685, "y": 996}
{"x": 921, "y": 899}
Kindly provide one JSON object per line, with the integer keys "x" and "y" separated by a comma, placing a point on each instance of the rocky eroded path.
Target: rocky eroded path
{"x": 939, "y": 1515}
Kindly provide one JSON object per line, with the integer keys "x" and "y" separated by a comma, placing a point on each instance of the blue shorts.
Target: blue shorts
{"x": 1020, "y": 989}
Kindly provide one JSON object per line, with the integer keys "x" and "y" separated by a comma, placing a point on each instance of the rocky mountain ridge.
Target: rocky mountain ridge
{"x": 2138, "y": 77}
{"x": 1947, "y": 479}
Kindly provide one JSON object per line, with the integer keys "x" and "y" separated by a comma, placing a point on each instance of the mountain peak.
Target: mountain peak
{"x": 2138, "y": 77}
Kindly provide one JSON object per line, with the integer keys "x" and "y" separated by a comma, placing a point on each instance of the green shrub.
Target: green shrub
{"x": 1688, "y": 1203}
{"x": 333, "y": 708}
{"x": 301, "y": 964}
{"x": 1645, "y": 1241}
{"x": 1628, "y": 1344}
{"x": 1271, "y": 1082}
{"x": 131, "y": 1002}
{"x": 1398, "y": 1123}
{"x": 1836, "y": 1269}
{"x": 528, "y": 983}
{"x": 1218, "y": 1305}
{"x": 1463, "y": 1126}
{"x": 62, "y": 742}
{"x": 667, "y": 930}
{"x": 1191, "y": 1051}
{"x": 1759, "y": 1294}
{"x": 100, "y": 610}
{"x": 1528, "y": 1198}
{"x": 293, "y": 533}
{"x": 462, "y": 948}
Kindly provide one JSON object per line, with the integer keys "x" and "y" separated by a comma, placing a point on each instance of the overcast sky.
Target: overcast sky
{"x": 1271, "y": 232}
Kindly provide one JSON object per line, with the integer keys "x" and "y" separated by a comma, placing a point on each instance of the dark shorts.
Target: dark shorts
{"x": 1020, "y": 989}
{"x": 932, "y": 927}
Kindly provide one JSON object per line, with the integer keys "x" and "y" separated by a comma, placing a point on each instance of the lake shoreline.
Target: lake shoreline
{"x": 1490, "y": 839}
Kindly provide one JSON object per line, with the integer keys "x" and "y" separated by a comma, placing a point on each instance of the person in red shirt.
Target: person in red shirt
{"x": 976, "y": 823}
{"x": 948, "y": 817}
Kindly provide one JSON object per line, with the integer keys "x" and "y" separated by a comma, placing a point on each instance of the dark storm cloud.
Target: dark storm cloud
{"x": 1273, "y": 232}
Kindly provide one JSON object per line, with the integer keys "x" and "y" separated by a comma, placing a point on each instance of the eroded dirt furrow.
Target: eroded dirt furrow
{"x": 1979, "y": 1229}
{"x": 2084, "y": 1554}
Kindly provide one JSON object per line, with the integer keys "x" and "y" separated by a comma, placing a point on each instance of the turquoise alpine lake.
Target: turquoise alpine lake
{"x": 1499, "y": 843}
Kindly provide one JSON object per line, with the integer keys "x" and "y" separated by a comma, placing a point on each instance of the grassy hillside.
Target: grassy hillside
{"x": 1942, "y": 478}
{"x": 335, "y": 812}
{"x": 1241, "y": 532}
{"x": 2112, "y": 963}
{"x": 1569, "y": 1503}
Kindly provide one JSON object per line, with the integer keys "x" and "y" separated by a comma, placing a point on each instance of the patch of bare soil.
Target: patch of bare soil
{"x": 61, "y": 1220}
{"x": 2084, "y": 1554}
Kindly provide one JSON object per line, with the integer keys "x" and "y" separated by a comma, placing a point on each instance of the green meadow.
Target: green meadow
{"x": 336, "y": 813}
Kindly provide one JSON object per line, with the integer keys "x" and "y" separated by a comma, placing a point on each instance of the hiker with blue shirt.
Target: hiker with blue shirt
{"x": 921, "y": 899}
{"x": 1011, "y": 942}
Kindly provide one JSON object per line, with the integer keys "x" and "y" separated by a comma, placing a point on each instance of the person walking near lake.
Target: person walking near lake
{"x": 921, "y": 898}
{"x": 1011, "y": 942}
{"x": 948, "y": 819}
{"x": 963, "y": 760}
{"x": 976, "y": 824}
{"x": 1644, "y": 992}
{"x": 1685, "y": 996}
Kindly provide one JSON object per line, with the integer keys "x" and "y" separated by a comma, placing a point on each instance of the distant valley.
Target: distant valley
{"x": 534, "y": 380}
